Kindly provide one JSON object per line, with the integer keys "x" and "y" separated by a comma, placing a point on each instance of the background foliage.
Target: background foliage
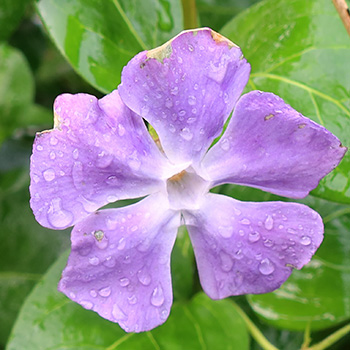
{"x": 298, "y": 49}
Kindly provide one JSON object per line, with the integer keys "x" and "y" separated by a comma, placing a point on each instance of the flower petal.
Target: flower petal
{"x": 98, "y": 152}
{"x": 186, "y": 89}
{"x": 245, "y": 247}
{"x": 120, "y": 264}
{"x": 270, "y": 146}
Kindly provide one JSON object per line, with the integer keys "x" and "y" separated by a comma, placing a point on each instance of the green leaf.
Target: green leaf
{"x": 300, "y": 50}
{"x": 215, "y": 13}
{"x": 49, "y": 320}
{"x": 26, "y": 248}
{"x": 11, "y": 13}
{"x": 99, "y": 40}
{"x": 16, "y": 89}
{"x": 319, "y": 293}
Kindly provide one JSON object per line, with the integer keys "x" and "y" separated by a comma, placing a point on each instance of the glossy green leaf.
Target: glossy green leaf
{"x": 16, "y": 89}
{"x": 319, "y": 293}
{"x": 215, "y": 13}
{"x": 98, "y": 40}
{"x": 300, "y": 50}
{"x": 26, "y": 248}
{"x": 11, "y": 13}
{"x": 49, "y": 320}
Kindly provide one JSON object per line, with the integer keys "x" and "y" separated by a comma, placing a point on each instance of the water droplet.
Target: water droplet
{"x": 305, "y": 240}
{"x": 190, "y": 48}
{"x": 49, "y": 175}
{"x": 174, "y": 90}
{"x": 225, "y": 145}
{"x": 157, "y": 298}
{"x": 109, "y": 262}
{"x": 121, "y": 243}
{"x": 118, "y": 313}
{"x": 99, "y": 234}
{"x": 164, "y": 314}
{"x": 191, "y": 100}
{"x": 144, "y": 277}
{"x": 245, "y": 221}
{"x": 225, "y": 231}
{"x": 53, "y": 141}
{"x": 172, "y": 128}
{"x": 134, "y": 228}
{"x": 93, "y": 293}
{"x": 254, "y": 236}
{"x": 268, "y": 243}
{"x": 132, "y": 300}
{"x": 36, "y": 178}
{"x": 87, "y": 304}
{"x": 168, "y": 103}
{"x": 121, "y": 130}
{"x": 182, "y": 113}
{"x": 58, "y": 217}
{"x": 39, "y": 147}
{"x": 266, "y": 267}
{"x": 292, "y": 231}
{"x": 269, "y": 223}
{"x": 76, "y": 154}
{"x": 186, "y": 134}
{"x": 94, "y": 260}
{"x": 134, "y": 163}
{"x": 105, "y": 292}
{"x": 179, "y": 59}
{"x": 52, "y": 155}
{"x": 195, "y": 86}
{"x": 226, "y": 261}
{"x": 104, "y": 160}
{"x": 124, "y": 282}
{"x": 144, "y": 111}
{"x": 239, "y": 254}
{"x": 112, "y": 198}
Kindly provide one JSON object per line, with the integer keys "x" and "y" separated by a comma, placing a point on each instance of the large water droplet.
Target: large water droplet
{"x": 253, "y": 236}
{"x": 225, "y": 231}
{"x": 105, "y": 292}
{"x": 269, "y": 223}
{"x": 58, "y": 217}
{"x": 144, "y": 277}
{"x": 266, "y": 267}
{"x": 132, "y": 299}
{"x": 118, "y": 313}
{"x": 49, "y": 175}
{"x": 186, "y": 134}
{"x": 226, "y": 262}
{"x": 157, "y": 298}
{"x": 305, "y": 240}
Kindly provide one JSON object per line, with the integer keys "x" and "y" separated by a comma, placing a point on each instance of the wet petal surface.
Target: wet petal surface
{"x": 246, "y": 247}
{"x": 99, "y": 152}
{"x": 270, "y": 146}
{"x": 120, "y": 264}
{"x": 186, "y": 89}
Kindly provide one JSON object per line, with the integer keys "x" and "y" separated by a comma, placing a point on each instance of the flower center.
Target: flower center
{"x": 186, "y": 189}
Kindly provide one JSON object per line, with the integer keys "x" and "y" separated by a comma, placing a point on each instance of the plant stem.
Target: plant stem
{"x": 190, "y": 14}
{"x": 330, "y": 340}
{"x": 344, "y": 13}
{"x": 254, "y": 330}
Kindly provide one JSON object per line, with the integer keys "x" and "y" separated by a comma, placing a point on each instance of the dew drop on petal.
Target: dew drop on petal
{"x": 58, "y": 217}
{"x": 226, "y": 261}
{"x": 124, "y": 282}
{"x": 186, "y": 134}
{"x": 157, "y": 297}
{"x": 121, "y": 243}
{"x": 191, "y": 100}
{"x": 266, "y": 267}
{"x": 94, "y": 260}
{"x": 87, "y": 304}
{"x": 93, "y": 293}
{"x": 305, "y": 240}
{"x": 245, "y": 221}
{"x": 253, "y": 236}
{"x": 121, "y": 130}
{"x": 118, "y": 313}
{"x": 99, "y": 234}
{"x": 53, "y": 141}
{"x": 76, "y": 154}
{"x": 144, "y": 277}
{"x": 105, "y": 292}
{"x": 132, "y": 299}
{"x": 269, "y": 223}
{"x": 225, "y": 231}
{"x": 109, "y": 262}
{"x": 239, "y": 254}
{"x": 225, "y": 145}
{"x": 52, "y": 155}
{"x": 49, "y": 175}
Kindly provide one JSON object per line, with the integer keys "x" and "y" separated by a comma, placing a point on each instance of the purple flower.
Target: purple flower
{"x": 100, "y": 151}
